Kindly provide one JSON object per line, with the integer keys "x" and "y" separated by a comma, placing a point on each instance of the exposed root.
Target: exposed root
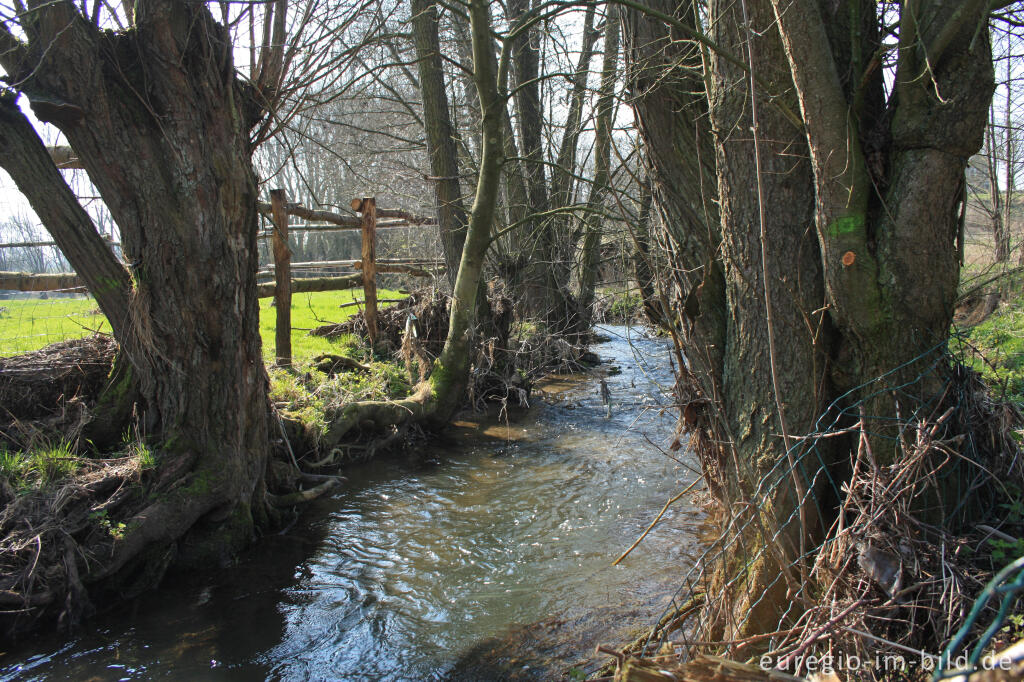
{"x": 303, "y": 496}
{"x": 333, "y": 364}
{"x": 73, "y": 527}
{"x": 48, "y": 536}
{"x": 976, "y": 309}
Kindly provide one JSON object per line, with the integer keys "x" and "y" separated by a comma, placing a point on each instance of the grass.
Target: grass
{"x": 1000, "y": 342}
{"x": 627, "y": 305}
{"x": 26, "y": 471}
{"x": 310, "y": 311}
{"x": 30, "y": 324}
{"x": 308, "y": 396}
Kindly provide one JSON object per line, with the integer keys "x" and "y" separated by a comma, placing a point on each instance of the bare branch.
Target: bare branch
{"x": 24, "y": 157}
{"x": 12, "y": 51}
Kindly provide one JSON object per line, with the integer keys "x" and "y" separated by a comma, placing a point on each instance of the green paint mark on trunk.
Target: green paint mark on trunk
{"x": 851, "y": 224}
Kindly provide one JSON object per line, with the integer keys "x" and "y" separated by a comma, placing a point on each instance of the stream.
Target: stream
{"x": 485, "y": 555}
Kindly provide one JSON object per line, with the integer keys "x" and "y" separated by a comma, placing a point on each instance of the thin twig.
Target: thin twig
{"x": 655, "y": 521}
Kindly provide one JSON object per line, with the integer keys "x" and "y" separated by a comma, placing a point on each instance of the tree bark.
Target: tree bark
{"x": 644, "y": 265}
{"x": 672, "y": 115}
{"x": 543, "y": 293}
{"x": 564, "y": 188}
{"x": 888, "y": 238}
{"x": 282, "y": 280}
{"x": 444, "y": 163}
{"x": 593, "y": 218}
{"x": 161, "y": 124}
{"x": 563, "y": 180}
{"x": 861, "y": 211}
{"x": 451, "y": 371}
{"x": 512, "y": 249}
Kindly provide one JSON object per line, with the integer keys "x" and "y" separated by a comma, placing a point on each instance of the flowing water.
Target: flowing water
{"x": 487, "y": 556}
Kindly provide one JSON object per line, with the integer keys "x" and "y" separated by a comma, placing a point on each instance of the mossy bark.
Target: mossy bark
{"x": 111, "y": 416}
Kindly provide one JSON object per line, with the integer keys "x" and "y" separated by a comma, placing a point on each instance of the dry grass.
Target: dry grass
{"x": 910, "y": 549}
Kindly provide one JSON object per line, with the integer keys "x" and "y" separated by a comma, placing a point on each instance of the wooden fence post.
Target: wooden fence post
{"x": 368, "y": 207}
{"x": 282, "y": 279}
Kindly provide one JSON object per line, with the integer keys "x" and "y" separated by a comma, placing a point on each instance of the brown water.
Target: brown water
{"x": 488, "y": 557}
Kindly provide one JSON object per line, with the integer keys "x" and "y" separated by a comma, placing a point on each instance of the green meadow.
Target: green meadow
{"x": 310, "y": 311}
{"x": 30, "y": 324}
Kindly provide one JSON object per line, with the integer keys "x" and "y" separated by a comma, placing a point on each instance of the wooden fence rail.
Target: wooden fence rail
{"x": 71, "y": 283}
{"x": 279, "y": 211}
{"x": 26, "y": 281}
{"x": 400, "y": 217}
{"x": 24, "y": 245}
{"x": 368, "y": 223}
{"x": 383, "y": 265}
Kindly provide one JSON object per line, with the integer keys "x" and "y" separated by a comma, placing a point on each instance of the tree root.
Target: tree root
{"x": 331, "y": 364}
{"x": 303, "y": 496}
{"x": 419, "y": 406}
{"x": 670, "y": 622}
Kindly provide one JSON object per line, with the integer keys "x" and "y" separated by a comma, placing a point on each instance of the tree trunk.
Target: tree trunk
{"x": 513, "y": 248}
{"x": 593, "y": 218}
{"x": 161, "y": 124}
{"x": 436, "y": 400}
{"x": 451, "y": 370}
{"x": 644, "y": 265}
{"x": 673, "y": 119}
{"x": 444, "y": 164}
{"x": 888, "y": 233}
{"x": 542, "y": 292}
{"x": 564, "y": 187}
{"x": 855, "y": 273}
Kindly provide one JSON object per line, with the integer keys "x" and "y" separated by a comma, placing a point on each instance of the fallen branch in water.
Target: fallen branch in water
{"x": 655, "y": 521}
{"x": 303, "y": 496}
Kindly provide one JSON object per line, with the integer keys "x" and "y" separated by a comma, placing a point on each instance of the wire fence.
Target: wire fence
{"x": 29, "y": 321}
{"x": 1007, "y": 584}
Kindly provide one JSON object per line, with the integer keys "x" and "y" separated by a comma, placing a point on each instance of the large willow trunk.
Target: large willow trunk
{"x": 841, "y": 248}
{"x": 161, "y": 123}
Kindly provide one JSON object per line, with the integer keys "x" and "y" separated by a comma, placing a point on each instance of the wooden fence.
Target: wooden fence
{"x": 368, "y": 222}
{"x": 279, "y": 211}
